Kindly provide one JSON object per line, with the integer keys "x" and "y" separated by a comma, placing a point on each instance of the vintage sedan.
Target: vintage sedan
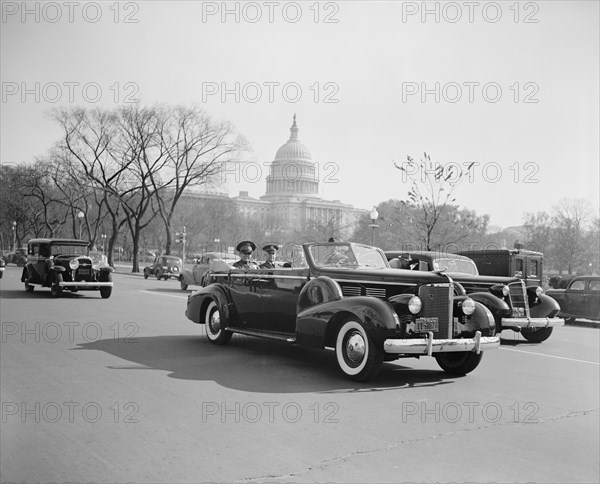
{"x": 65, "y": 264}
{"x": 345, "y": 296}
{"x": 164, "y": 267}
{"x": 515, "y": 305}
{"x": 193, "y": 277}
{"x": 581, "y": 298}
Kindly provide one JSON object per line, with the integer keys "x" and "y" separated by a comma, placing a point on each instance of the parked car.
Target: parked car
{"x": 164, "y": 267}
{"x": 2, "y": 267}
{"x": 65, "y": 264}
{"x": 524, "y": 264}
{"x": 581, "y": 298}
{"x": 356, "y": 304}
{"x": 17, "y": 257}
{"x": 193, "y": 277}
{"x": 514, "y": 306}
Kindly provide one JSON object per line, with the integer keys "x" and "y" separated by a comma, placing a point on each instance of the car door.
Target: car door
{"x": 245, "y": 290}
{"x": 575, "y": 297}
{"x": 592, "y": 299}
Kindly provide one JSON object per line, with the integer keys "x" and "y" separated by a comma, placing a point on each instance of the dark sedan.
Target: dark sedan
{"x": 515, "y": 306}
{"x": 581, "y": 298}
{"x": 345, "y": 296}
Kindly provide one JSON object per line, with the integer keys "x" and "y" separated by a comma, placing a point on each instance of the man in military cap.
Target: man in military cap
{"x": 271, "y": 250}
{"x": 245, "y": 250}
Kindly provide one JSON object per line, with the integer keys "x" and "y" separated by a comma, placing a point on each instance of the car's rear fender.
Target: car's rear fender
{"x": 318, "y": 325}
{"x": 545, "y": 307}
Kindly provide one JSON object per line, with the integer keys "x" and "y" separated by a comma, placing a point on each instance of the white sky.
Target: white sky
{"x": 530, "y": 154}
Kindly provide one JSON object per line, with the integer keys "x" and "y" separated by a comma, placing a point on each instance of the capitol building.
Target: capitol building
{"x": 292, "y": 202}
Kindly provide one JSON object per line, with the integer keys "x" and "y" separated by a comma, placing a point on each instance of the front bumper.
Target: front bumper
{"x": 428, "y": 346}
{"x": 83, "y": 285}
{"x": 520, "y": 323}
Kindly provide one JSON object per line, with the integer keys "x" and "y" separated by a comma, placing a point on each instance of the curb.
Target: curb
{"x": 584, "y": 324}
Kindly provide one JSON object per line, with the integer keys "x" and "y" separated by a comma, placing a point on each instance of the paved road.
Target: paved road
{"x": 128, "y": 390}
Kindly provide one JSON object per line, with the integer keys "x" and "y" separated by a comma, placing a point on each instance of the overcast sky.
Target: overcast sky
{"x": 513, "y": 87}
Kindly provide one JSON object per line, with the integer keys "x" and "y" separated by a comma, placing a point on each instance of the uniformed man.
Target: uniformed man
{"x": 271, "y": 250}
{"x": 245, "y": 250}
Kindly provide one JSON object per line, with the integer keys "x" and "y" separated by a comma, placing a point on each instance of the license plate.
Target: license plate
{"x": 84, "y": 272}
{"x": 427, "y": 324}
{"x": 519, "y": 312}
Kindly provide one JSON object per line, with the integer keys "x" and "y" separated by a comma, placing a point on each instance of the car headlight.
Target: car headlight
{"x": 539, "y": 291}
{"x": 415, "y": 304}
{"x": 468, "y": 306}
{"x": 505, "y": 290}
{"x": 74, "y": 264}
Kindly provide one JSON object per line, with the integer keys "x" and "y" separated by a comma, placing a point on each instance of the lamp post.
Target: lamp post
{"x": 217, "y": 245}
{"x": 14, "y": 228}
{"x": 374, "y": 214}
{"x": 103, "y": 237}
{"x": 80, "y": 216}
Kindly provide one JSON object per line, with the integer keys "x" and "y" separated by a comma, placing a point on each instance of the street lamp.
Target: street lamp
{"x": 217, "y": 245}
{"x": 80, "y": 216}
{"x": 103, "y": 237}
{"x": 374, "y": 216}
{"x": 14, "y": 227}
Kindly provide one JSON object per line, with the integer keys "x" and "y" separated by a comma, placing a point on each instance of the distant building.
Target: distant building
{"x": 291, "y": 201}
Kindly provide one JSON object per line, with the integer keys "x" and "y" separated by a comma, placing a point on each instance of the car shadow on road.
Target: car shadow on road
{"x": 256, "y": 365}
{"x": 43, "y": 293}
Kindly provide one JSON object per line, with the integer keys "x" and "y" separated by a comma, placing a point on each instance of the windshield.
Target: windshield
{"x": 69, "y": 249}
{"x": 347, "y": 255}
{"x": 464, "y": 266}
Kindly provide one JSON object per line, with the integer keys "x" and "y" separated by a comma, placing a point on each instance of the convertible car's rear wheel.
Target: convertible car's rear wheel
{"x": 536, "y": 335}
{"x": 184, "y": 286}
{"x": 215, "y": 324}
{"x": 458, "y": 363}
{"x": 55, "y": 289}
{"x": 357, "y": 356}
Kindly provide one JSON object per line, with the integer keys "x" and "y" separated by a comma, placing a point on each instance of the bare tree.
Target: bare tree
{"x": 571, "y": 217}
{"x": 431, "y": 190}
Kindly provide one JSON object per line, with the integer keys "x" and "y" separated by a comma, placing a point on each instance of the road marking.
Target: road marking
{"x": 154, "y": 293}
{"x": 552, "y": 356}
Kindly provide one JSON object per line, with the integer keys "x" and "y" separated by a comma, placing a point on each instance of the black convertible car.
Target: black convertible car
{"x": 345, "y": 296}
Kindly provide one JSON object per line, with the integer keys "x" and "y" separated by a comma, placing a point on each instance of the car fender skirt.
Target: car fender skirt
{"x": 316, "y": 324}
{"x": 547, "y": 307}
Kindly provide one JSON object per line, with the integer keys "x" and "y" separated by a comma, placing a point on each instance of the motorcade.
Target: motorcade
{"x": 65, "y": 264}
{"x": 345, "y": 296}
{"x": 193, "y": 277}
{"x": 515, "y": 306}
{"x": 581, "y": 298}
{"x": 524, "y": 264}
{"x": 164, "y": 267}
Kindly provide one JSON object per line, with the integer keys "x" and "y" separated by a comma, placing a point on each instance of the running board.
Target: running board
{"x": 265, "y": 334}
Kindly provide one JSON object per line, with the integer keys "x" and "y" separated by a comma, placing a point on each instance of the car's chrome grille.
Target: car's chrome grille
{"x": 348, "y": 290}
{"x": 437, "y": 302}
{"x": 518, "y": 299}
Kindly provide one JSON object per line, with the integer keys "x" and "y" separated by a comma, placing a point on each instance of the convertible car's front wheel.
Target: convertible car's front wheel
{"x": 458, "y": 363}
{"x": 215, "y": 324}
{"x": 184, "y": 286}
{"x": 357, "y": 356}
{"x": 536, "y": 335}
